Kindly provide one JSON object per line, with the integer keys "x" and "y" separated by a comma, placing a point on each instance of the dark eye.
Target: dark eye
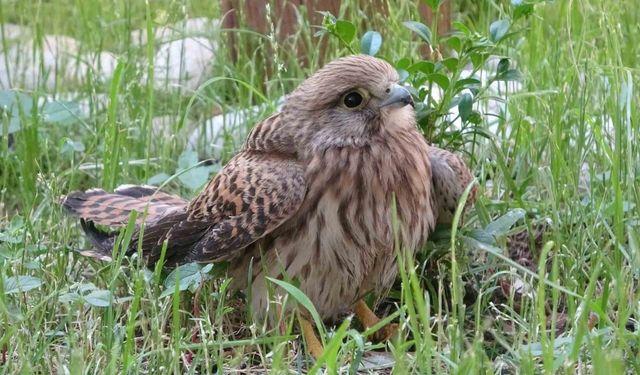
{"x": 353, "y": 99}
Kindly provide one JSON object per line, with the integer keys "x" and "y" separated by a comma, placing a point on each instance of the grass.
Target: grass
{"x": 567, "y": 154}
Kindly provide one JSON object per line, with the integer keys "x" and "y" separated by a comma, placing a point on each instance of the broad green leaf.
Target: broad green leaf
{"x": 12, "y": 104}
{"x": 536, "y": 349}
{"x": 440, "y": 79}
{"x": 345, "y": 30}
{"x": 33, "y": 265}
{"x": 421, "y": 29}
{"x": 521, "y": 9}
{"x": 185, "y": 277}
{"x": 462, "y": 28}
{"x": 11, "y": 100}
{"x": 475, "y": 118}
{"x": 60, "y": 112}
{"x": 187, "y": 159}
{"x": 467, "y": 83}
{"x": 498, "y": 29}
{"x": 14, "y": 232}
{"x": 99, "y": 298}
{"x": 403, "y": 63}
{"x": 454, "y": 43}
{"x": 17, "y": 284}
{"x": 70, "y": 297}
{"x": 503, "y": 66}
{"x": 478, "y": 60}
{"x": 190, "y": 175}
{"x": 454, "y": 102}
{"x": 86, "y": 287}
{"x": 503, "y": 224}
{"x": 70, "y": 146}
{"x": 426, "y": 67}
{"x": 498, "y": 227}
{"x": 158, "y": 179}
{"x": 510, "y": 75}
{"x": 195, "y": 177}
{"x": 465, "y": 107}
{"x": 451, "y": 63}
{"x": 14, "y": 125}
{"x": 371, "y": 43}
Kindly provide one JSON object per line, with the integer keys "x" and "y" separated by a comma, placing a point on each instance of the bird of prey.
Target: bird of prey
{"x": 310, "y": 195}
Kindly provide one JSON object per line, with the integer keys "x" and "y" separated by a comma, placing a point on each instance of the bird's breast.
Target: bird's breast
{"x": 340, "y": 243}
{"x": 355, "y": 190}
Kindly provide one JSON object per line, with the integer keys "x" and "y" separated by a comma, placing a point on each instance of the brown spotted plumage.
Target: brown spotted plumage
{"x": 451, "y": 177}
{"x": 309, "y": 195}
{"x": 113, "y": 209}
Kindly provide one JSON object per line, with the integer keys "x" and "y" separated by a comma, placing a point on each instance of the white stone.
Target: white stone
{"x": 192, "y": 27}
{"x": 26, "y": 65}
{"x": 214, "y": 134}
{"x": 185, "y": 51}
{"x": 13, "y": 32}
{"x": 162, "y": 126}
{"x": 102, "y": 65}
{"x": 58, "y": 59}
{"x": 183, "y": 64}
{"x": 87, "y": 105}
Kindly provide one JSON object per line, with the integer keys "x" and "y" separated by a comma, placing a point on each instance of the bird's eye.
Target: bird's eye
{"x": 355, "y": 99}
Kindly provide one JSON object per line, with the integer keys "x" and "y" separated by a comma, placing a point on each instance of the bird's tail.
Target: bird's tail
{"x": 97, "y": 206}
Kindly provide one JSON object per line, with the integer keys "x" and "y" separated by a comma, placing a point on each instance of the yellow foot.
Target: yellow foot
{"x": 314, "y": 346}
{"x": 369, "y": 319}
{"x": 386, "y": 333}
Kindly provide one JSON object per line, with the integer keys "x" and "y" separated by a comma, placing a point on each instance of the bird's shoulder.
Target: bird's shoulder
{"x": 250, "y": 179}
{"x": 267, "y": 135}
{"x": 251, "y": 197}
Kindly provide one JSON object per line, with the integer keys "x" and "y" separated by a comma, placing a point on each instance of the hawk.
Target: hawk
{"x": 310, "y": 195}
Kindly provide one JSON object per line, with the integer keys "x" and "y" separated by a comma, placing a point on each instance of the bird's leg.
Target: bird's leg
{"x": 314, "y": 346}
{"x": 369, "y": 319}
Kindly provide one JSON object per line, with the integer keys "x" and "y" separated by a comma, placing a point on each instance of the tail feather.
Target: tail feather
{"x": 150, "y": 194}
{"x": 113, "y": 209}
{"x": 101, "y": 240}
{"x": 97, "y": 206}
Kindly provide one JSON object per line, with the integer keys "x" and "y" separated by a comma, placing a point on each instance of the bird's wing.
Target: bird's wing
{"x": 450, "y": 176}
{"x": 253, "y": 195}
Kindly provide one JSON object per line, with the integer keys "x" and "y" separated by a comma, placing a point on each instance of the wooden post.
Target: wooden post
{"x": 444, "y": 16}
{"x": 252, "y": 14}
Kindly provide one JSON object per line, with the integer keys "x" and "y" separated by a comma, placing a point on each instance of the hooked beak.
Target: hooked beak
{"x": 397, "y": 97}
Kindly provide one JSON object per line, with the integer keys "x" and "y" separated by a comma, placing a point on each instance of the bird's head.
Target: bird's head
{"x": 347, "y": 102}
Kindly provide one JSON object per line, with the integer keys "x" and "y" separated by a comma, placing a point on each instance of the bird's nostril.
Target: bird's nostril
{"x": 398, "y": 95}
